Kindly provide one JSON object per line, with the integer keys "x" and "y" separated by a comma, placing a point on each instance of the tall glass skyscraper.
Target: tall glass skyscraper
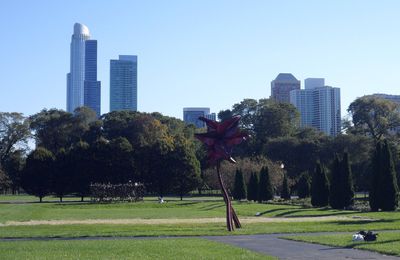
{"x": 92, "y": 87}
{"x": 319, "y": 106}
{"x": 123, "y": 83}
{"x": 83, "y": 71}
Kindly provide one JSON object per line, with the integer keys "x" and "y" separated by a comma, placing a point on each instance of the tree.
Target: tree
{"x": 62, "y": 175}
{"x": 252, "y": 187}
{"x": 83, "y": 168}
{"x": 239, "y": 188}
{"x": 304, "y": 185}
{"x": 185, "y": 167}
{"x": 347, "y": 180}
{"x": 384, "y": 190}
{"x": 14, "y": 134}
{"x": 37, "y": 175}
{"x": 336, "y": 195}
{"x": 319, "y": 187}
{"x": 12, "y": 167}
{"x": 375, "y": 200}
{"x": 389, "y": 188}
{"x": 374, "y": 116}
{"x": 285, "y": 194}
{"x": 5, "y": 182}
{"x": 265, "y": 189}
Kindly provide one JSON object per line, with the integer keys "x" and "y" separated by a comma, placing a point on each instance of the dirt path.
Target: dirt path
{"x": 138, "y": 221}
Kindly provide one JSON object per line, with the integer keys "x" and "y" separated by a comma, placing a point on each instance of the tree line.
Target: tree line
{"x": 161, "y": 152}
{"x": 74, "y": 150}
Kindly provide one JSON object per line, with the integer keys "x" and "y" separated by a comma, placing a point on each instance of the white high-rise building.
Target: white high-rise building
{"x": 319, "y": 106}
{"x": 76, "y": 77}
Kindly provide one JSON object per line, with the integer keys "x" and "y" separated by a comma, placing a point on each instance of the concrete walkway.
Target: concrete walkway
{"x": 286, "y": 249}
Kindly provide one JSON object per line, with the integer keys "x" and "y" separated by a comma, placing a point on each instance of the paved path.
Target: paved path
{"x": 286, "y": 249}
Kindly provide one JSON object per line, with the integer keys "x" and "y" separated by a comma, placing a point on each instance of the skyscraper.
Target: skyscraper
{"x": 282, "y": 85}
{"x": 319, "y": 106}
{"x": 123, "y": 83}
{"x": 191, "y": 115}
{"x": 83, "y": 71}
{"x": 92, "y": 87}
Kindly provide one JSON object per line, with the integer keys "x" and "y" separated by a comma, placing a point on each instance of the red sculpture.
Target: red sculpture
{"x": 220, "y": 139}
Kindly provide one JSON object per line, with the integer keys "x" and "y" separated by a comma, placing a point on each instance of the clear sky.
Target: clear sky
{"x": 207, "y": 53}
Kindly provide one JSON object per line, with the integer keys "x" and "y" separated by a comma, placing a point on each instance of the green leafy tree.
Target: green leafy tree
{"x": 252, "y": 187}
{"x": 383, "y": 193}
{"x": 82, "y": 168}
{"x": 37, "y": 175}
{"x": 239, "y": 188}
{"x": 304, "y": 185}
{"x": 375, "y": 198}
{"x": 14, "y": 134}
{"x": 62, "y": 175}
{"x": 265, "y": 188}
{"x": 336, "y": 195}
{"x": 185, "y": 167}
{"x": 319, "y": 187}
{"x": 388, "y": 182}
{"x": 347, "y": 180}
{"x": 285, "y": 194}
{"x": 13, "y": 166}
{"x": 374, "y": 116}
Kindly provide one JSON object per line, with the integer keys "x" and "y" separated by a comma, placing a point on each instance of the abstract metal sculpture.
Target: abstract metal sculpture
{"x": 220, "y": 139}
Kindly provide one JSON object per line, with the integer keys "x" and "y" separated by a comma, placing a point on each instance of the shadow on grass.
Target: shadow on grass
{"x": 357, "y": 244}
{"x": 213, "y": 206}
{"x": 290, "y": 213}
{"x": 271, "y": 211}
{"x": 363, "y": 221}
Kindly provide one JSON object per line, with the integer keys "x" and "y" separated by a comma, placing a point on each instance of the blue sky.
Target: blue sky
{"x": 208, "y": 53}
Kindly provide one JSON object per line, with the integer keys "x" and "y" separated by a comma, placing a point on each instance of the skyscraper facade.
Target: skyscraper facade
{"x": 92, "y": 87}
{"x": 319, "y": 107}
{"x": 191, "y": 115}
{"x": 83, "y": 71}
{"x": 282, "y": 85}
{"x": 123, "y": 83}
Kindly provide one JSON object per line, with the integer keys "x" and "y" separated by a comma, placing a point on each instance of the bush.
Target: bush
{"x": 117, "y": 192}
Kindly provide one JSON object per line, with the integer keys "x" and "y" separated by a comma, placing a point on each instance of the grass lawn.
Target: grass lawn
{"x": 176, "y": 209}
{"x": 125, "y": 249}
{"x": 387, "y": 242}
{"x": 150, "y": 209}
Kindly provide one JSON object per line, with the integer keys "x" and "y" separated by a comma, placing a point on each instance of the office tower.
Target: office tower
{"x": 123, "y": 83}
{"x": 77, "y": 76}
{"x": 191, "y": 115}
{"x": 314, "y": 83}
{"x": 282, "y": 85}
{"x": 319, "y": 107}
{"x": 92, "y": 87}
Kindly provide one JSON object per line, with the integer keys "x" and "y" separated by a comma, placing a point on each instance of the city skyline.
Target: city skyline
{"x": 191, "y": 60}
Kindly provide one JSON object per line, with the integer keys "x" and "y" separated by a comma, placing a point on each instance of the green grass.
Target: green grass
{"x": 387, "y": 242}
{"x": 125, "y": 249}
{"x": 150, "y": 209}
{"x": 210, "y": 207}
{"x": 189, "y": 229}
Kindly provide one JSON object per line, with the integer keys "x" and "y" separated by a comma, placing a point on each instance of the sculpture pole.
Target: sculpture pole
{"x": 230, "y": 212}
{"x": 220, "y": 139}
